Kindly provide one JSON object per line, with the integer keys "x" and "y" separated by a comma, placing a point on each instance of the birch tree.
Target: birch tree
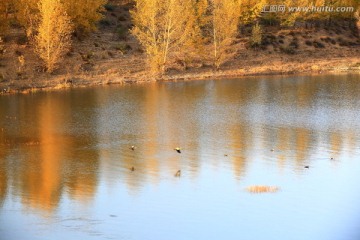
{"x": 357, "y": 18}
{"x": 194, "y": 46}
{"x": 27, "y": 13}
{"x": 4, "y": 15}
{"x": 162, "y": 27}
{"x": 84, "y": 13}
{"x": 224, "y": 28}
{"x": 53, "y": 39}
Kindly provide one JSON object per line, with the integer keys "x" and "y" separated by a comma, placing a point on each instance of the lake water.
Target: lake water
{"x": 65, "y": 162}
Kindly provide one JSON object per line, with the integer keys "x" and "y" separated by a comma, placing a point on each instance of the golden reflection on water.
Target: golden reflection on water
{"x": 40, "y": 173}
{"x": 69, "y": 162}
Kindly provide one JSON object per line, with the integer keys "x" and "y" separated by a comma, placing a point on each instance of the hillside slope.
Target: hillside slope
{"x": 112, "y": 55}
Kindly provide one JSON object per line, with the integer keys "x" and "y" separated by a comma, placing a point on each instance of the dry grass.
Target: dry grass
{"x": 89, "y": 63}
{"x": 32, "y": 143}
{"x": 262, "y": 189}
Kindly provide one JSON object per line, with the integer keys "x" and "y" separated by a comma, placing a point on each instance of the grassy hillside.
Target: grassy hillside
{"x": 113, "y": 55}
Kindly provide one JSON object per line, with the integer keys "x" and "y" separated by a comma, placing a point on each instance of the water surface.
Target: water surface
{"x": 65, "y": 162}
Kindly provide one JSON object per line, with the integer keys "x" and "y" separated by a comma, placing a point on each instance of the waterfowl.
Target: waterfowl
{"x": 272, "y": 150}
{"x": 132, "y": 169}
{"x": 178, "y": 173}
{"x": 332, "y": 158}
{"x": 133, "y": 148}
{"x": 307, "y": 166}
{"x": 225, "y": 155}
{"x": 178, "y": 149}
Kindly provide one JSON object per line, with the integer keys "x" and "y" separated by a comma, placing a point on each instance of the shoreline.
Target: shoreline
{"x": 232, "y": 70}
{"x": 109, "y": 56}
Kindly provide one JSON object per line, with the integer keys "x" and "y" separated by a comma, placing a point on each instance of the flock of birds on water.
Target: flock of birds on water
{"x": 178, "y": 149}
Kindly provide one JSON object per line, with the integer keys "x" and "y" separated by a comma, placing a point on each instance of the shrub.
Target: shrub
{"x": 288, "y": 50}
{"x": 104, "y": 22}
{"x": 122, "y": 18}
{"x": 265, "y": 42}
{"x": 21, "y": 60}
{"x": 271, "y": 37}
{"x": 317, "y": 44}
{"x": 2, "y": 47}
{"x": 22, "y": 40}
{"x": 84, "y": 14}
{"x": 357, "y": 17}
{"x": 256, "y": 35}
{"x": 111, "y": 54}
{"x": 87, "y": 56}
{"x": 2, "y": 77}
{"x": 309, "y": 43}
{"x": 294, "y": 44}
{"x": 109, "y": 7}
{"x": 291, "y": 33}
{"x": 123, "y": 48}
{"x": 325, "y": 39}
{"x": 121, "y": 32}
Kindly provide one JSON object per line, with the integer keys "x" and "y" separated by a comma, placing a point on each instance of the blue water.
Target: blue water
{"x": 65, "y": 162}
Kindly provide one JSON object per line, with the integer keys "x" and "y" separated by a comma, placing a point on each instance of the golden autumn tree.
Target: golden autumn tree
{"x": 289, "y": 18}
{"x": 356, "y": 13}
{"x": 224, "y": 28}
{"x": 26, "y": 13}
{"x": 193, "y": 47}
{"x": 2, "y": 47}
{"x": 3, "y": 16}
{"x": 53, "y": 37}
{"x": 84, "y": 13}
{"x": 162, "y": 27}
{"x": 357, "y": 18}
{"x": 5, "y": 9}
{"x": 251, "y": 10}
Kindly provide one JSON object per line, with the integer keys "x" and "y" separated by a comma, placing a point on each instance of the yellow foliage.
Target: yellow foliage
{"x": 162, "y": 28}
{"x": 84, "y": 13}
{"x": 256, "y": 35}
{"x": 2, "y": 47}
{"x": 201, "y": 9}
{"x": 21, "y": 60}
{"x": 5, "y": 6}
{"x": 357, "y": 17}
{"x": 27, "y": 14}
{"x": 251, "y": 10}
{"x": 224, "y": 28}
{"x": 193, "y": 47}
{"x": 54, "y": 33}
